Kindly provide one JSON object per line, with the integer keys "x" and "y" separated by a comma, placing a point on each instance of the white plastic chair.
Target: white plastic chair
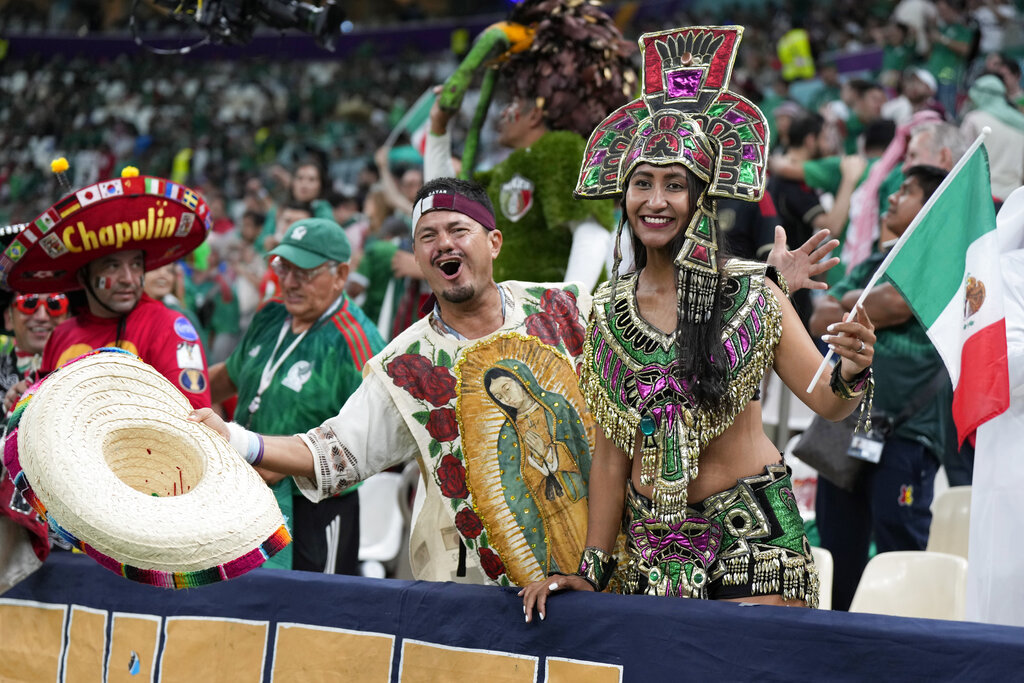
{"x": 826, "y": 569}
{"x": 913, "y": 583}
{"x": 951, "y": 522}
{"x": 380, "y": 523}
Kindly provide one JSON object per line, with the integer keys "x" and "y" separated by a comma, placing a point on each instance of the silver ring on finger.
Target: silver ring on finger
{"x": 862, "y": 345}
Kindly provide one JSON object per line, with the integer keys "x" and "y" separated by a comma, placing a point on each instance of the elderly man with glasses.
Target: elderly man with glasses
{"x": 299, "y": 361}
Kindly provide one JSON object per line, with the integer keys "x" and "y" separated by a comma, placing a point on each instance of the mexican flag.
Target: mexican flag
{"x": 415, "y": 122}
{"x": 948, "y": 271}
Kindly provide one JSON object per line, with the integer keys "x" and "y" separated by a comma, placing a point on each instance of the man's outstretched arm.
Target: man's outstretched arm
{"x": 368, "y": 435}
{"x": 282, "y": 454}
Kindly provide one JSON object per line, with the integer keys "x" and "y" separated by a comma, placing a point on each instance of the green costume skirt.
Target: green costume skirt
{"x": 747, "y": 540}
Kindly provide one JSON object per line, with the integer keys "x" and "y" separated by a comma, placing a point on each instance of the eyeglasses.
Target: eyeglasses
{"x": 56, "y": 304}
{"x": 302, "y": 276}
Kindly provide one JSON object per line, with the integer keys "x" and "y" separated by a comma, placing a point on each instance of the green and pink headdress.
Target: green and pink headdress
{"x": 685, "y": 115}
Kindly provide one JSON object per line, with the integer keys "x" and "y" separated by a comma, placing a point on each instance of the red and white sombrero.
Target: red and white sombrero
{"x": 164, "y": 219}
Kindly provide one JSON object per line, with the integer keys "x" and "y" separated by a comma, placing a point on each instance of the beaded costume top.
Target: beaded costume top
{"x": 630, "y": 382}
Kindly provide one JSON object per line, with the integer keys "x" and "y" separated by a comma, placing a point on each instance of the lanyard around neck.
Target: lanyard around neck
{"x": 270, "y": 369}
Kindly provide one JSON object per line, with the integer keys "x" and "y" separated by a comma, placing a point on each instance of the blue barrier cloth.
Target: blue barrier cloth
{"x": 647, "y": 638}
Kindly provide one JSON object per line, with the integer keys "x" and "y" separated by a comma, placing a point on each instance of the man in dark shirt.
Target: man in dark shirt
{"x": 799, "y": 207}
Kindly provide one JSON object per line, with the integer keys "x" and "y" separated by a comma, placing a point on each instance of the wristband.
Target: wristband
{"x": 247, "y": 444}
{"x": 855, "y": 388}
{"x": 847, "y": 389}
{"x": 596, "y": 567}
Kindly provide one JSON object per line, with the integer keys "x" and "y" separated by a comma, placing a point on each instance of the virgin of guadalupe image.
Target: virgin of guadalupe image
{"x": 527, "y": 453}
{"x": 546, "y": 435}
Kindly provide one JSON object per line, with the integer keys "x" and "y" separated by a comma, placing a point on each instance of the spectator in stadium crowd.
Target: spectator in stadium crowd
{"x": 864, "y": 100}
{"x": 897, "y": 54}
{"x": 680, "y": 438}
{"x": 347, "y": 214}
{"x": 1005, "y": 144}
{"x": 300, "y": 360}
{"x": 953, "y": 43}
{"x": 29, "y": 320}
{"x": 1008, "y": 69}
{"x": 166, "y": 285}
{"x": 918, "y": 88}
{"x": 307, "y": 185}
{"x": 891, "y": 503}
{"x": 292, "y": 211}
{"x": 799, "y": 207}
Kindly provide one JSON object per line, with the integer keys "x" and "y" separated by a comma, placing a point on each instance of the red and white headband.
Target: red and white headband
{"x": 449, "y": 201}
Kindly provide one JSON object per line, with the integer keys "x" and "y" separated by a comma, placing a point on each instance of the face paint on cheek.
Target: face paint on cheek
{"x": 104, "y": 283}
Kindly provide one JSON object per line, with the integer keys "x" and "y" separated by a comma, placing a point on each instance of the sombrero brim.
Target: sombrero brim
{"x": 164, "y": 219}
{"x": 103, "y": 450}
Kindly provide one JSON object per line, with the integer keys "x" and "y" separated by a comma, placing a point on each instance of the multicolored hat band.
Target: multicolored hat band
{"x": 103, "y": 450}
{"x": 685, "y": 115}
{"x": 164, "y": 219}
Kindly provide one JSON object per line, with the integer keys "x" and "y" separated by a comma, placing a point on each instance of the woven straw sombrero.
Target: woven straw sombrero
{"x": 164, "y": 219}
{"x": 102, "y": 449}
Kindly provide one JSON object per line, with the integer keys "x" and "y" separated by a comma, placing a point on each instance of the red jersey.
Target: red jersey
{"x": 163, "y": 338}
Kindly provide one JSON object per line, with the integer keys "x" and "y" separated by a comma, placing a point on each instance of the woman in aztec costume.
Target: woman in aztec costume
{"x": 677, "y": 348}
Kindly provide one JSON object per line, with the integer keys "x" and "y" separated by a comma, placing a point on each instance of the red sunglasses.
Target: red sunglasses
{"x": 56, "y": 304}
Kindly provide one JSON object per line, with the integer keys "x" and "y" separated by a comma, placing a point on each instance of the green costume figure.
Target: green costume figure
{"x": 566, "y": 68}
{"x": 533, "y": 207}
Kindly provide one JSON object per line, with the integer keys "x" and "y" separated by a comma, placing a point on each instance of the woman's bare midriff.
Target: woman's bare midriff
{"x": 740, "y": 451}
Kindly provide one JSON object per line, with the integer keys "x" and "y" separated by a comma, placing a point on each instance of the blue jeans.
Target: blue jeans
{"x": 891, "y": 504}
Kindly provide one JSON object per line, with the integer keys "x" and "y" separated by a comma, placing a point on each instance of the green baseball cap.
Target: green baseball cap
{"x": 312, "y": 241}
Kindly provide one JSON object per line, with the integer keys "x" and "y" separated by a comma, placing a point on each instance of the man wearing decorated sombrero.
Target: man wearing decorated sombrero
{"x": 102, "y": 239}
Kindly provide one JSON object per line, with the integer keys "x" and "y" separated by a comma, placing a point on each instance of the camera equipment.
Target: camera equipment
{"x": 233, "y": 21}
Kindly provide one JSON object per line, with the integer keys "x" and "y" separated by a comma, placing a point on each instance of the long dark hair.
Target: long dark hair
{"x": 702, "y": 362}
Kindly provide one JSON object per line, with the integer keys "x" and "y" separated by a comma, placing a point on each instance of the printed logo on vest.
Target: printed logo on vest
{"x": 192, "y": 381}
{"x": 189, "y": 356}
{"x": 906, "y": 498}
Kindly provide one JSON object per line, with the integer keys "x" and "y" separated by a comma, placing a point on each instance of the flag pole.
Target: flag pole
{"x": 398, "y": 129}
{"x": 903, "y": 238}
